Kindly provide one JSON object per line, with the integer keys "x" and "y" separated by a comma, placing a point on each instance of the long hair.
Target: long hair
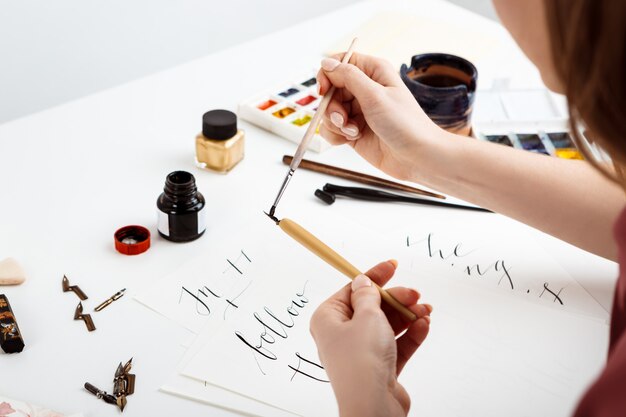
{"x": 588, "y": 41}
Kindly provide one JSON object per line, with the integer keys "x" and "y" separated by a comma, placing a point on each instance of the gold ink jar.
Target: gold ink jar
{"x": 220, "y": 145}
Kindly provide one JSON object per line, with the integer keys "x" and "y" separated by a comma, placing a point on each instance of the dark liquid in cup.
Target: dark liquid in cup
{"x": 444, "y": 86}
{"x": 439, "y": 80}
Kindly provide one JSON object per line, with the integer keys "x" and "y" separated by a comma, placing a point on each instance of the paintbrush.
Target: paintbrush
{"x": 319, "y": 248}
{"x": 308, "y": 135}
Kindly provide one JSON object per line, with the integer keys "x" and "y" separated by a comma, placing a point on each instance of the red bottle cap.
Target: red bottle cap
{"x": 132, "y": 240}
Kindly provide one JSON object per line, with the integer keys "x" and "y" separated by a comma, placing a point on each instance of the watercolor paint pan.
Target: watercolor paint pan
{"x": 539, "y": 142}
{"x": 286, "y": 110}
{"x": 532, "y": 120}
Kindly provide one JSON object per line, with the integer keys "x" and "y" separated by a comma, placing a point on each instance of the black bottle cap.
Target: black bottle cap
{"x": 219, "y": 124}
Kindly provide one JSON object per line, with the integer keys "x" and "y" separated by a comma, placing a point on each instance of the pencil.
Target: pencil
{"x": 319, "y": 248}
{"x": 359, "y": 177}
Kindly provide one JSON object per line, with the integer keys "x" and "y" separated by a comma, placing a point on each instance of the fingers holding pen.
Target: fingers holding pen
{"x": 411, "y": 340}
{"x": 338, "y": 307}
{"x": 381, "y": 274}
{"x": 414, "y": 332}
{"x": 330, "y": 134}
{"x": 368, "y": 300}
{"x": 408, "y": 297}
{"x": 350, "y": 128}
{"x": 338, "y": 121}
{"x": 376, "y": 70}
{"x": 349, "y": 79}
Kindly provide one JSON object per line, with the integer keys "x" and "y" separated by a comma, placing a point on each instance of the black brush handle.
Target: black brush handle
{"x": 369, "y": 194}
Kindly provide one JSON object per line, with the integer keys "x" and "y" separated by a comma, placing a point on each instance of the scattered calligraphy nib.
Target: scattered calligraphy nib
{"x": 79, "y": 311}
{"x": 128, "y": 366}
{"x": 123, "y": 383}
{"x": 121, "y": 402}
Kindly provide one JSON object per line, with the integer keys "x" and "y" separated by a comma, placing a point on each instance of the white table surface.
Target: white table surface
{"x": 70, "y": 176}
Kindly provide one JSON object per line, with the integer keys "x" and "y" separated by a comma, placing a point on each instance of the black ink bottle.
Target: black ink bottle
{"x": 182, "y": 217}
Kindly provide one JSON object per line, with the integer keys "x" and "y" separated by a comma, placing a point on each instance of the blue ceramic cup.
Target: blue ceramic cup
{"x": 444, "y": 86}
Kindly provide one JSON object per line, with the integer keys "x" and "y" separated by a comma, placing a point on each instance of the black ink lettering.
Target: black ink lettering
{"x": 556, "y": 295}
{"x": 258, "y": 349}
{"x": 457, "y": 252}
{"x": 301, "y": 295}
{"x": 199, "y": 302}
{"x": 271, "y": 314}
{"x": 282, "y": 334}
{"x": 506, "y": 272}
{"x": 233, "y": 265}
{"x": 297, "y": 370}
{"x": 265, "y": 337}
{"x": 209, "y": 290}
{"x": 258, "y": 364}
{"x": 231, "y": 303}
{"x": 430, "y": 249}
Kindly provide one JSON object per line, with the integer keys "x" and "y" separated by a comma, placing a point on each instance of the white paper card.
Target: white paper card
{"x": 481, "y": 347}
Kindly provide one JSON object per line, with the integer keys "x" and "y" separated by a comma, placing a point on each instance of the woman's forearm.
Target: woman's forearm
{"x": 567, "y": 199}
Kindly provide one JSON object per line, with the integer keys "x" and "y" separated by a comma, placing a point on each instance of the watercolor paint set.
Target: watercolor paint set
{"x": 533, "y": 120}
{"x": 286, "y": 111}
{"x": 557, "y": 144}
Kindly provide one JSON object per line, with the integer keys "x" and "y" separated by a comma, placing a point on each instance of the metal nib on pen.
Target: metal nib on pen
{"x": 271, "y": 216}
{"x": 109, "y": 300}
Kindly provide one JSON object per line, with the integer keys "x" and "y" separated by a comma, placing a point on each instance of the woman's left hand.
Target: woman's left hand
{"x": 356, "y": 341}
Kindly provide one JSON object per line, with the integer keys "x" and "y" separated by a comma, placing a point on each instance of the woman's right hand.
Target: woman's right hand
{"x": 374, "y": 112}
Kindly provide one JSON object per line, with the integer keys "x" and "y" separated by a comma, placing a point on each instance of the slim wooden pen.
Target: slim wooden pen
{"x": 359, "y": 177}
{"x": 319, "y": 248}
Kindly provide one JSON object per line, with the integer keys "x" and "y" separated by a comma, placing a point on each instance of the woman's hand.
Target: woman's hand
{"x": 374, "y": 112}
{"x": 356, "y": 341}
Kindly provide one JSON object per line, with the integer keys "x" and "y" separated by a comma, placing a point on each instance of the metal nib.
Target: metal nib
{"x": 128, "y": 366}
{"x": 271, "y": 216}
{"x": 121, "y": 402}
{"x": 123, "y": 383}
{"x": 78, "y": 315}
{"x": 75, "y": 288}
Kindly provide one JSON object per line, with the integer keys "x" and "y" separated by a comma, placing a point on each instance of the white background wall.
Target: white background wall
{"x": 53, "y": 51}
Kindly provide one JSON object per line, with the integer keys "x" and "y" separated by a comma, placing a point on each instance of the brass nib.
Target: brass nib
{"x": 123, "y": 386}
{"x": 78, "y": 315}
{"x": 123, "y": 383}
{"x": 74, "y": 288}
{"x": 121, "y": 402}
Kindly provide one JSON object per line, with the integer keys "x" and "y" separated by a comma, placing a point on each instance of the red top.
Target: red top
{"x": 607, "y": 396}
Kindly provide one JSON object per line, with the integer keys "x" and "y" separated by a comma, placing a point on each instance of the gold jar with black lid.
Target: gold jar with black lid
{"x": 220, "y": 145}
